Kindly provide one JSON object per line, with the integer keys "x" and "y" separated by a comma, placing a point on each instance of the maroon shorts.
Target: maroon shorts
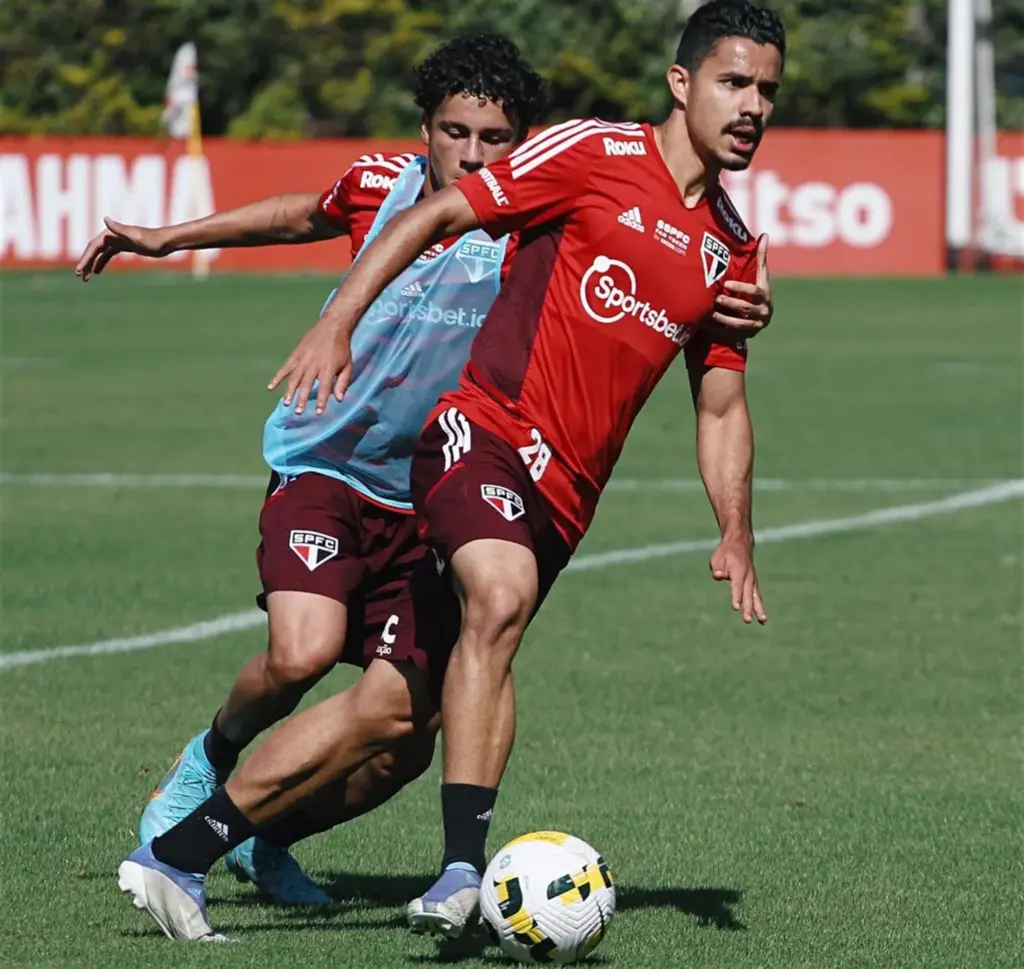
{"x": 468, "y": 483}
{"x": 319, "y": 535}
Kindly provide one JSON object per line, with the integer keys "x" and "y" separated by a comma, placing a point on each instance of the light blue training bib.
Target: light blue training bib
{"x": 409, "y": 348}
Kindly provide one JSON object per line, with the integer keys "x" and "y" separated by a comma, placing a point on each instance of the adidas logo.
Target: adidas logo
{"x": 632, "y": 218}
{"x": 413, "y": 290}
{"x": 486, "y": 816}
{"x": 218, "y": 826}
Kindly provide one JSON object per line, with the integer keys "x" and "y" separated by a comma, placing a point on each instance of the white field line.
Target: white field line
{"x": 200, "y": 479}
{"x": 978, "y": 498}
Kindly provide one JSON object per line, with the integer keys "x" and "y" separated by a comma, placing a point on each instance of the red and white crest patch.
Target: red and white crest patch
{"x": 507, "y": 503}
{"x": 714, "y": 255}
{"x": 314, "y": 548}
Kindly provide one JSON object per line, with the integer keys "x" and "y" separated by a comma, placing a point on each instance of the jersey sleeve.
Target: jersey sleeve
{"x": 541, "y": 181}
{"x": 333, "y": 206}
{"x": 351, "y": 204}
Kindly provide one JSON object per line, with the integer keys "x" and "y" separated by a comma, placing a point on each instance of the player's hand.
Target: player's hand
{"x": 747, "y": 306}
{"x": 120, "y": 238}
{"x": 323, "y": 357}
{"x": 733, "y": 561}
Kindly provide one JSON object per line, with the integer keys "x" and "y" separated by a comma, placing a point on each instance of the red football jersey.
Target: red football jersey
{"x": 614, "y": 276}
{"x": 351, "y": 205}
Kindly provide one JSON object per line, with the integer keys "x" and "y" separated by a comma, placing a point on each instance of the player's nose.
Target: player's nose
{"x": 754, "y": 103}
{"x": 472, "y": 156}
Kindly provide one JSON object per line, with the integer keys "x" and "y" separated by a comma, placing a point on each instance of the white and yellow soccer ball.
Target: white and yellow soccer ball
{"x": 547, "y": 897}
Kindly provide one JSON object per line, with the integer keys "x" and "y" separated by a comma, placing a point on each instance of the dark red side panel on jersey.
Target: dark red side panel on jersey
{"x": 502, "y": 348}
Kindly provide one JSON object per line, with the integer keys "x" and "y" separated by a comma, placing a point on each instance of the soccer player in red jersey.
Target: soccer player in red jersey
{"x": 630, "y": 253}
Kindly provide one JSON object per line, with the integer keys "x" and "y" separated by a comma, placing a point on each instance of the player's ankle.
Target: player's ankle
{"x": 197, "y": 842}
{"x": 221, "y": 751}
{"x": 467, "y": 810}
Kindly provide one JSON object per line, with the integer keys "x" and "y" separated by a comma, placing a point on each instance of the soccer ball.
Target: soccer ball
{"x": 547, "y": 897}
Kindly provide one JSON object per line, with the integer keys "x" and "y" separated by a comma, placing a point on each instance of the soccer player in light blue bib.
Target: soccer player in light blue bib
{"x": 339, "y": 550}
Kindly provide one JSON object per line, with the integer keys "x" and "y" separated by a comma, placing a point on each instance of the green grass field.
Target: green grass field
{"x": 840, "y": 789}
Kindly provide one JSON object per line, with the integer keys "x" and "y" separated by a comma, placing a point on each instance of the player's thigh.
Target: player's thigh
{"x": 410, "y": 620}
{"x": 478, "y": 508}
{"x": 310, "y": 566}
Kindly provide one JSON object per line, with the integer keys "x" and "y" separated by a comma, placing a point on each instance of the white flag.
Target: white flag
{"x": 182, "y": 93}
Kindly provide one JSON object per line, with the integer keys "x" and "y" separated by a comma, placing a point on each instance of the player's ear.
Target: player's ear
{"x": 679, "y": 84}
{"x": 425, "y": 130}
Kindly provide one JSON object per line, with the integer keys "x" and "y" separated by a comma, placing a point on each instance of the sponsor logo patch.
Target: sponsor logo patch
{"x": 376, "y": 180}
{"x": 432, "y": 253}
{"x": 732, "y": 220}
{"x": 668, "y": 235}
{"x": 608, "y": 292}
{"x": 497, "y": 192}
{"x": 612, "y": 146}
{"x": 714, "y": 254}
{"x": 507, "y": 503}
{"x": 314, "y": 548}
{"x": 633, "y": 219}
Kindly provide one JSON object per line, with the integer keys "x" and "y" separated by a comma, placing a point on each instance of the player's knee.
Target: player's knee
{"x": 383, "y": 712}
{"x": 497, "y": 614}
{"x": 406, "y": 760}
{"x": 306, "y": 637}
{"x": 291, "y": 662}
{"x": 414, "y": 757}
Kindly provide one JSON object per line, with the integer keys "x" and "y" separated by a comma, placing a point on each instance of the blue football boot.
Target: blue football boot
{"x": 190, "y": 781}
{"x": 275, "y": 873}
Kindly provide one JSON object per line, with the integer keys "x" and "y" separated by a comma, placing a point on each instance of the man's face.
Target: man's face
{"x": 466, "y": 133}
{"x": 729, "y": 99}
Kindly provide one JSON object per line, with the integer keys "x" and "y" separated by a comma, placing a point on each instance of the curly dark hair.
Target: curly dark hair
{"x": 488, "y": 66}
{"x": 727, "y": 18}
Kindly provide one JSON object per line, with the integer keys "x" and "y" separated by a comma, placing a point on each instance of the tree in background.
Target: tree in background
{"x": 300, "y": 68}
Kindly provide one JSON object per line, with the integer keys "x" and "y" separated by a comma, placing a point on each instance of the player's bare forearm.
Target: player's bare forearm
{"x": 725, "y": 450}
{"x": 279, "y": 220}
{"x": 403, "y": 239}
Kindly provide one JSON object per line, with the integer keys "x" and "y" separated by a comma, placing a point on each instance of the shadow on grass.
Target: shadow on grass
{"x": 709, "y": 906}
{"x": 362, "y": 893}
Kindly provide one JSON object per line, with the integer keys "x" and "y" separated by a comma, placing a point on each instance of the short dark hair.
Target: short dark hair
{"x": 715, "y": 21}
{"x": 487, "y": 66}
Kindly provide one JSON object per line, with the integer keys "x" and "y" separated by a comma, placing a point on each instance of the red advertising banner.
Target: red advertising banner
{"x": 833, "y": 202}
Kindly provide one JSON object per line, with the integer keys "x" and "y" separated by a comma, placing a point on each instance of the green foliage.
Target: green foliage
{"x": 294, "y": 68}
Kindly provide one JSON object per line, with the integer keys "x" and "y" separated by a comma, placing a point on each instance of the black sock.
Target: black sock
{"x": 221, "y": 751}
{"x": 291, "y": 828}
{"x": 467, "y": 811}
{"x": 208, "y": 833}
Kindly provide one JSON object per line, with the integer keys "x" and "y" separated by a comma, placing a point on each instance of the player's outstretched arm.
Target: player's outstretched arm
{"x": 725, "y": 455}
{"x": 323, "y": 355}
{"x": 282, "y": 219}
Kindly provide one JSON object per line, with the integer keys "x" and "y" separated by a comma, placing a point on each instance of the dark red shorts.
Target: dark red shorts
{"x": 468, "y": 484}
{"x": 319, "y": 535}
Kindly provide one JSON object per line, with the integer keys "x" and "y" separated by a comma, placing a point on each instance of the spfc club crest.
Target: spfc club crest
{"x": 507, "y": 503}
{"x": 479, "y": 258}
{"x": 314, "y": 548}
{"x": 715, "y": 255}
